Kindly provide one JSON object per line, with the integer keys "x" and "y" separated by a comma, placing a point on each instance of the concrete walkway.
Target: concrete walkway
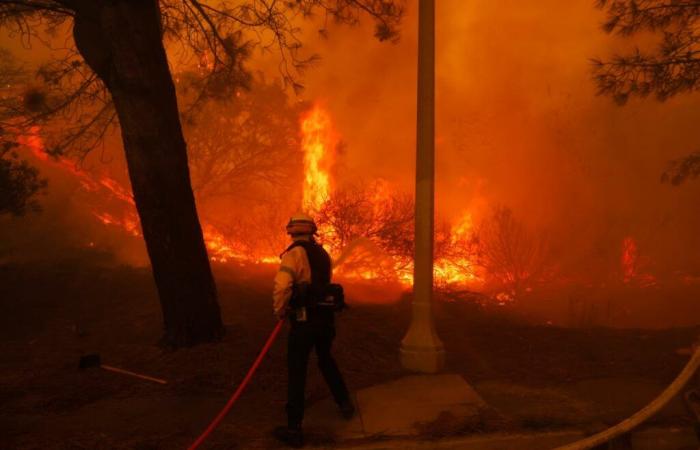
{"x": 404, "y": 413}
{"x": 650, "y": 439}
{"x": 400, "y": 407}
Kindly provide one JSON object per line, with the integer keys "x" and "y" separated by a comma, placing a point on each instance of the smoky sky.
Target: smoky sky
{"x": 518, "y": 122}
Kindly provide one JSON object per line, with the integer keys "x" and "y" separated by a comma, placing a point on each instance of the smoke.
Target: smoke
{"x": 81, "y": 216}
{"x": 518, "y": 124}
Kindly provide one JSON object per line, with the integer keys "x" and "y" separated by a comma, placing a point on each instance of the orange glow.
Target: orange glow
{"x": 129, "y": 222}
{"x": 459, "y": 270}
{"x": 318, "y": 145}
{"x": 633, "y": 265}
{"x": 629, "y": 259}
{"x": 220, "y": 248}
{"x": 90, "y": 183}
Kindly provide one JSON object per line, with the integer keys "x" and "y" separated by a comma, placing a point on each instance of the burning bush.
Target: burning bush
{"x": 511, "y": 255}
{"x": 456, "y": 248}
{"x": 370, "y": 227}
{"x": 258, "y": 236}
{"x": 369, "y": 211}
{"x": 246, "y": 168}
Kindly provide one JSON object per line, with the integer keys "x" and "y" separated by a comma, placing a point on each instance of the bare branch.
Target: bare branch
{"x": 221, "y": 36}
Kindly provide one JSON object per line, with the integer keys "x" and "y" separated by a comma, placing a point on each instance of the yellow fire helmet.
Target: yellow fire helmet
{"x": 300, "y": 224}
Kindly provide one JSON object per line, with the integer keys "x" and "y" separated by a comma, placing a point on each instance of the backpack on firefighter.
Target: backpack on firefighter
{"x": 320, "y": 294}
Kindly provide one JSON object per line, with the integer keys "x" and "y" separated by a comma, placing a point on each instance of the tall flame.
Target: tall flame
{"x": 318, "y": 144}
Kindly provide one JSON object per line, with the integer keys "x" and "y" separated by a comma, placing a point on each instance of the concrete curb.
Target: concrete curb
{"x": 658, "y": 438}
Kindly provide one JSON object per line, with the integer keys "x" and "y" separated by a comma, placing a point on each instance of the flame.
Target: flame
{"x": 129, "y": 222}
{"x": 368, "y": 261}
{"x": 628, "y": 260}
{"x": 317, "y": 144}
{"x": 220, "y": 248}
{"x": 633, "y": 265}
{"x": 459, "y": 270}
{"x": 89, "y": 182}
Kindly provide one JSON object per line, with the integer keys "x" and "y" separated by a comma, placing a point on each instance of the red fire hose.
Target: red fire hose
{"x": 214, "y": 423}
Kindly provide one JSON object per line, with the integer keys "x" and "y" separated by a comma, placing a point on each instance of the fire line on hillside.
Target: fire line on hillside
{"x": 319, "y": 142}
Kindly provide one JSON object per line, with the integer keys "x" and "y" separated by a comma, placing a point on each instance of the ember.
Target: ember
{"x": 629, "y": 259}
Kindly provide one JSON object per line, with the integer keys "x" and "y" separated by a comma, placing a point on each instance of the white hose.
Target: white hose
{"x": 643, "y": 414}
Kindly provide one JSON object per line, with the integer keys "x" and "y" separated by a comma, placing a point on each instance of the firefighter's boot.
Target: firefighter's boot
{"x": 347, "y": 409}
{"x": 293, "y": 437}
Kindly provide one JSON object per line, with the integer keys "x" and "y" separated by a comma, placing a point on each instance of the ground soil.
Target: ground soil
{"x": 535, "y": 376}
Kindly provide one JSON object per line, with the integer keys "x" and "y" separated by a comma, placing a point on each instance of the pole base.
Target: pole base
{"x": 422, "y": 359}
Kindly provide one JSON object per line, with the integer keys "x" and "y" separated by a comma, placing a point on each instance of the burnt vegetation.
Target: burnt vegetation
{"x": 514, "y": 255}
{"x": 370, "y": 211}
{"x": 371, "y": 227}
{"x": 20, "y": 184}
{"x": 19, "y": 181}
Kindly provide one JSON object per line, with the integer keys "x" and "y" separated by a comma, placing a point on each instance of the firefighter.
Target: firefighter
{"x": 305, "y": 262}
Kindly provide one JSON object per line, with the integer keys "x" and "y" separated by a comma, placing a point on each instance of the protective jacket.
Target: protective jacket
{"x": 294, "y": 268}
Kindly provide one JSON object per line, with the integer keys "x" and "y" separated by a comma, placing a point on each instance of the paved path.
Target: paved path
{"x": 399, "y": 414}
{"x": 400, "y": 407}
{"x": 650, "y": 439}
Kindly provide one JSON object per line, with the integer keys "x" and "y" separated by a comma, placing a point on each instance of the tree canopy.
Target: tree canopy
{"x": 70, "y": 102}
{"x": 671, "y": 68}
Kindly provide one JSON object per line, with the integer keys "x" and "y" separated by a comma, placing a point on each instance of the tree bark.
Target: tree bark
{"x": 121, "y": 41}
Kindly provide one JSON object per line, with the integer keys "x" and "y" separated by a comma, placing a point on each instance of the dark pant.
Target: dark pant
{"x": 304, "y": 336}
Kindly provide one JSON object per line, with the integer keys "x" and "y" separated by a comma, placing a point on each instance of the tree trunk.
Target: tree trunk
{"x": 121, "y": 41}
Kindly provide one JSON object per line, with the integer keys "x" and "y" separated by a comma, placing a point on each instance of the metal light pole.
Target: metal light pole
{"x": 421, "y": 349}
